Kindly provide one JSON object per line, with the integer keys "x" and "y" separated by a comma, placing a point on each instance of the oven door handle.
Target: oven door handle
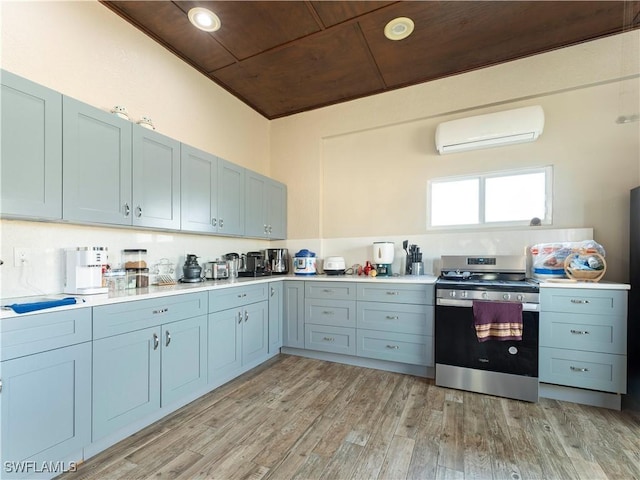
{"x": 450, "y": 302}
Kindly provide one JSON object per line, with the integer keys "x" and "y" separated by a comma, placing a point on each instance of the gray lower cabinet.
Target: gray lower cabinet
{"x": 147, "y": 354}
{"x": 212, "y": 193}
{"x": 276, "y": 306}
{"x": 238, "y": 330}
{"x": 31, "y": 149}
{"x": 293, "y": 314}
{"x": 583, "y": 338}
{"x": 266, "y": 207}
{"x": 45, "y": 390}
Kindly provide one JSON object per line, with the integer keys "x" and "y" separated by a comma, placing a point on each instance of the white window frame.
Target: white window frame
{"x": 482, "y": 177}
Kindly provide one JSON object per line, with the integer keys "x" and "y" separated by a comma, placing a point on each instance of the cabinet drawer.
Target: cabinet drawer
{"x": 341, "y": 313}
{"x": 330, "y": 339}
{"x": 395, "y": 347}
{"x": 233, "y": 297}
{"x": 393, "y": 317}
{"x": 608, "y": 302}
{"x": 330, "y": 290}
{"x": 30, "y": 334}
{"x": 593, "y": 333}
{"x": 390, "y": 293}
{"x": 125, "y": 317}
{"x": 595, "y": 371}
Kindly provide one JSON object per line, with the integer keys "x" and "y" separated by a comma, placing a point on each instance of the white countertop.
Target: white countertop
{"x": 155, "y": 291}
{"x": 567, "y": 283}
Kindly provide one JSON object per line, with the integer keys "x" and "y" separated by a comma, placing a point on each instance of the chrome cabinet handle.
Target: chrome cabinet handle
{"x": 162, "y": 310}
{"x": 221, "y": 223}
{"x": 273, "y": 291}
{"x": 329, "y": 339}
{"x": 138, "y": 211}
{"x": 393, "y": 317}
{"x": 214, "y": 222}
{"x": 0, "y": 385}
{"x": 580, "y": 332}
{"x": 241, "y": 295}
{"x": 246, "y": 315}
{"x": 265, "y": 229}
{"x": 327, "y": 290}
{"x": 578, "y": 369}
{"x": 167, "y": 339}
{"x": 156, "y": 341}
{"x": 579, "y": 301}
{"x": 270, "y": 229}
{"x": 328, "y": 312}
{"x": 393, "y": 347}
{"x": 392, "y": 293}
{"x": 239, "y": 318}
{"x": 127, "y": 209}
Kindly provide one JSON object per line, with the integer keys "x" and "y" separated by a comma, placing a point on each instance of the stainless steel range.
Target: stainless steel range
{"x": 486, "y": 326}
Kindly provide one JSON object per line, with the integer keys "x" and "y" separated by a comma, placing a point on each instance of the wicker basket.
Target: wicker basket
{"x": 584, "y": 275}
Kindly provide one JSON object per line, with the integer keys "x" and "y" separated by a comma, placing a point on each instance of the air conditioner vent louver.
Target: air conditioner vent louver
{"x": 491, "y": 130}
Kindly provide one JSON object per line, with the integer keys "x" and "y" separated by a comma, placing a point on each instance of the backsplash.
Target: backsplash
{"x": 45, "y": 243}
{"x": 433, "y": 245}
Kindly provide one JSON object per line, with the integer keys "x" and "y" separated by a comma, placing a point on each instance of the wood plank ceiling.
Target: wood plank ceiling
{"x": 286, "y": 57}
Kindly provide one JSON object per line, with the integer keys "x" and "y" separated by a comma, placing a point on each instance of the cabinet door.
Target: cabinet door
{"x": 255, "y": 205}
{"x": 230, "y": 192}
{"x": 184, "y": 358}
{"x": 277, "y": 210}
{"x": 293, "y": 314}
{"x": 31, "y": 132}
{"x": 255, "y": 332}
{"x": 275, "y": 316}
{"x": 96, "y": 165}
{"x": 199, "y": 180}
{"x": 156, "y": 179}
{"x": 225, "y": 343}
{"x": 46, "y": 405}
{"x": 126, "y": 379}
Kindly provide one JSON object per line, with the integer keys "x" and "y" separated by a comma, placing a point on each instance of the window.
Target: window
{"x": 496, "y": 199}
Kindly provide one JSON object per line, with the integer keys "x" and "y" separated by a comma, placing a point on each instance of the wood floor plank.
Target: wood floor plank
{"x": 308, "y": 419}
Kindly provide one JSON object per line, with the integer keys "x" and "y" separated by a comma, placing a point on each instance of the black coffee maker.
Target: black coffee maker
{"x": 255, "y": 265}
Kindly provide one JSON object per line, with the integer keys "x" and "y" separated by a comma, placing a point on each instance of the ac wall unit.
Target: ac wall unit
{"x": 491, "y": 130}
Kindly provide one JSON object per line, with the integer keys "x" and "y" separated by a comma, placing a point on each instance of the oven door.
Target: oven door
{"x": 456, "y": 343}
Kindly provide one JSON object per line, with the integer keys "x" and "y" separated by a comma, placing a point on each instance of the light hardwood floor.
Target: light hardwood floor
{"x": 297, "y": 418}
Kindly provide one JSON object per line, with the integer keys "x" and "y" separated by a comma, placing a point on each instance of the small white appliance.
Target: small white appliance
{"x": 304, "y": 263}
{"x": 83, "y": 274}
{"x": 334, "y": 266}
{"x": 383, "y": 253}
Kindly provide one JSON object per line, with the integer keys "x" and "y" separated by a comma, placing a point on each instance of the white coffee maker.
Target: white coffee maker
{"x": 83, "y": 274}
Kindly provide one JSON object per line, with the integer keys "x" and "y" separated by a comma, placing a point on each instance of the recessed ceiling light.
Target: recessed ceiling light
{"x": 204, "y": 19}
{"x": 399, "y": 28}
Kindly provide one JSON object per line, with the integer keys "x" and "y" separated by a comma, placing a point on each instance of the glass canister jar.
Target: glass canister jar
{"x": 134, "y": 258}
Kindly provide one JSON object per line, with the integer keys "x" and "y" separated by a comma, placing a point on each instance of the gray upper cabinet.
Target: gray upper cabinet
{"x": 31, "y": 132}
{"x": 212, "y": 193}
{"x": 266, "y": 207}
{"x": 156, "y": 179}
{"x": 97, "y": 160}
{"x": 231, "y": 198}
{"x": 199, "y": 177}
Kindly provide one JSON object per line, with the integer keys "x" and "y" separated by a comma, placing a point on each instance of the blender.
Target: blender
{"x": 383, "y": 257}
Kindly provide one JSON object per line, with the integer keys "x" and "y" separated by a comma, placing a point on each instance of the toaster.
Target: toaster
{"x": 216, "y": 270}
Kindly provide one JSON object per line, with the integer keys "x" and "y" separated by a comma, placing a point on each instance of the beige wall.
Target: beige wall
{"x": 361, "y": 169}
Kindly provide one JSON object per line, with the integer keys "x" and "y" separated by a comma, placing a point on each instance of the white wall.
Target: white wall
{"x": 360, "y": 169}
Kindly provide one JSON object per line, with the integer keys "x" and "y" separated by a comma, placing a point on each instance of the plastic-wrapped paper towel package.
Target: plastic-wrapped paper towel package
{"x": 548, "y": 259}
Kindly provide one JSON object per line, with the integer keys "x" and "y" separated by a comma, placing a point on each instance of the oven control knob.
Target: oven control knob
{"x": 520, "y": 297}
{"x": 506, "y": 296}
{"x": 485, "y": 295}
{"x": 452, "y": 293}
{"x": 463, "y": 294}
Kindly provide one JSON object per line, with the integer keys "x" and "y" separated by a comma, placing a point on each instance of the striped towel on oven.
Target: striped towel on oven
{"x": 497, "y": 320}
